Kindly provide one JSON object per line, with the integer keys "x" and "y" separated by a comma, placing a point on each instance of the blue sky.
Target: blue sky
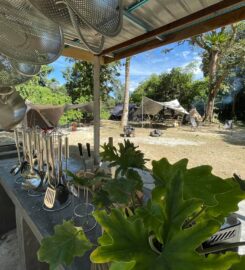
{"x": 147, "y": 63}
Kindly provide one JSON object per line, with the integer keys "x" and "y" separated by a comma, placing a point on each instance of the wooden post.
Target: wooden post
{"x": 96, "y": 109}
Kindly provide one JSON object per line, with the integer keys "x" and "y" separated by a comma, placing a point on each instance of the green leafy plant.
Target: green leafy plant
{"x": 186, "y": 208}
{"x": 124, "y": 188}
{"x": 125, "y": 157}
{"x": 67, "y": 242}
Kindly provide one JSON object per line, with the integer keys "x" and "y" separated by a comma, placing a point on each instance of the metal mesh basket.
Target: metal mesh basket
{"x": 8, "y": 74}
{"x": 59, "y": 12}
{"x": 26, "y": 69}
{"x": 105, "y": 16}
{"x": 27, "y": 35}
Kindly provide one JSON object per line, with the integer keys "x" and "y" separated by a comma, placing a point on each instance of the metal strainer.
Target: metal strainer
{"x": 26, "y": 69}
{"x": 105, "y": 16}
{"x": 27, "y": 35}
{"x": 58, "y": 11}
{"x": 8, "y": 74}
{"x": 12, "y": 110}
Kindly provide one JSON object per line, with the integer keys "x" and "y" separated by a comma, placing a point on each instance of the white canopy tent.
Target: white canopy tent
{"x": 152, "y": 107}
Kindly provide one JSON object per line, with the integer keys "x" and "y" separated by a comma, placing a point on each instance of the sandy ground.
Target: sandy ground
{"x": 212, "y": 145}
{"x": 223, "y": 150}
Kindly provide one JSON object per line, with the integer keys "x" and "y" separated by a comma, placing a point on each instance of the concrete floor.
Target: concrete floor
{"x": 9, "y": 255}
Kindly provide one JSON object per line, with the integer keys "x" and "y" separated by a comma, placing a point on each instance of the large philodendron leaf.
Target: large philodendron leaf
{"x": 163, "y": 172}
{"x": 199, "y": 182}
{"x": 153, "y": 217}
{"x": 127, "y": 156}
{"x": 67, "y": 242}
{"x": 179, "y": 243}
{"x": 227, "y": 202}
{"x": 129, "y": 242}
{"x": 240, "y": 265}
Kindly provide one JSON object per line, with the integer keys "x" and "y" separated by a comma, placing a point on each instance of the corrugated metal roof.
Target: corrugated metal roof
{"x": 151, "y": 15}
{"x": 155, "y": 13}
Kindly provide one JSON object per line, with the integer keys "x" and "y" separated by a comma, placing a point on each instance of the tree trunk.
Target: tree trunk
{"x": 233, "y": 111}
{"x": 213, "y": 86}
{"x": 124, "y": 120}
{"x": 209, "y": 108}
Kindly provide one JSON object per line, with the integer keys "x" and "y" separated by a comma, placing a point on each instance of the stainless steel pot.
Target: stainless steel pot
{"x": 12, "y": 110}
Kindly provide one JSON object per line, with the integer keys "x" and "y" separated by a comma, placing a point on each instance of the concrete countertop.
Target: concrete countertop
{"x": 40, "y": 221}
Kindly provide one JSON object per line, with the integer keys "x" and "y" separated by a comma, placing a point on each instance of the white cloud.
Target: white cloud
{"x": 185, "y": 54}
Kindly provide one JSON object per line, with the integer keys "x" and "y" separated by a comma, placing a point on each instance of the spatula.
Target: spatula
{"x": 50, "y": 194}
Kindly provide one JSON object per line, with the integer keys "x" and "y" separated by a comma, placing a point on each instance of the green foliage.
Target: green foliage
{"x": 80, "y": 79}
{"x": 61, "y": 248}
{"x": 186, "y": 208}
{"x": 223, "y": 51}
{"x": 178, "y": 84}
{"x": 127, "y": 156}
{"x": 167, "y": 217}
{"x": 126, "y": 241}
{"x": 122, "y": 190}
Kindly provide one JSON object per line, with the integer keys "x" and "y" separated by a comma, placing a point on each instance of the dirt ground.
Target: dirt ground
{"x": 212, "y": 145}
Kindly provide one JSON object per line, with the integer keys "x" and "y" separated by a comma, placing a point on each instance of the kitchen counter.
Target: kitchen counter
{"x": 32, "y": 222}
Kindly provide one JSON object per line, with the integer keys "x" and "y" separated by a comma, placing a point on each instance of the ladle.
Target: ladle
{"x": 33, "y": 179}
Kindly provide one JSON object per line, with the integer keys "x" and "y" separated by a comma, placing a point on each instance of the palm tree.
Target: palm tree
{"x": 124, "y": 120}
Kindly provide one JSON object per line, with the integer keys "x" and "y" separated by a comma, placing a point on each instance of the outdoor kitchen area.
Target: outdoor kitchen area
{"x": 100, "y": 195}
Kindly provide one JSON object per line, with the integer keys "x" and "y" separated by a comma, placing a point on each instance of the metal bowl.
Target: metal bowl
{"x": 12, "y": 110}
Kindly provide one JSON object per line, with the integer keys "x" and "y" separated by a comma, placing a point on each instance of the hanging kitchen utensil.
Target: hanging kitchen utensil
{"x": 27, "y": 35}
{"x": 7, "y": 90}
{"x": 25, "y": 167}
{"x": 33, "y": 179}
{"x": 80, "y": 148}
{"x": 62, "y": 14}
{"x": 12, "y": 110}
{"x": 104, "y": 16}
{"x": 62, "y": 192}
{"x": 66, "y": 152}
{"x": 9, "y": 75}
{"x": 95, "y": 48}
{"x": 89, "y": 160}
{"x": 26, "y": 70}
{"x": 16, "y": 168}
{"x": 50, "y": 194}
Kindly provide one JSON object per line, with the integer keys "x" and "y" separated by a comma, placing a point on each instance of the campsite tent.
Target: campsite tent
{"x": 152, "y": 107}
{"x": 48, "y": 116}
{"x": 117, "y": 112}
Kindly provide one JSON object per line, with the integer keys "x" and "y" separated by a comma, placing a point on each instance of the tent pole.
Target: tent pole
{"x": 96, "y": 109}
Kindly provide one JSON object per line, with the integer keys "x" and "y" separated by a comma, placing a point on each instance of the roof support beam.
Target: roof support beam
{"x": 174, "y": 25}
{"x": 202, "y": 27}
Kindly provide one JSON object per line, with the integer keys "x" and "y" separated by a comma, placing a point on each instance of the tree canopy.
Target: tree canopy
{"x": 177, "y": 84}
{"x": 223, "y": 50}
{"x": 79, "y": 79}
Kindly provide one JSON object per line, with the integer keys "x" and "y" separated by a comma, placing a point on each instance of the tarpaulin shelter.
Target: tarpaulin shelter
{"x": 117, "y": 112}
{"x": 48, "y": 116}
{"x": 152, "y": 107}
